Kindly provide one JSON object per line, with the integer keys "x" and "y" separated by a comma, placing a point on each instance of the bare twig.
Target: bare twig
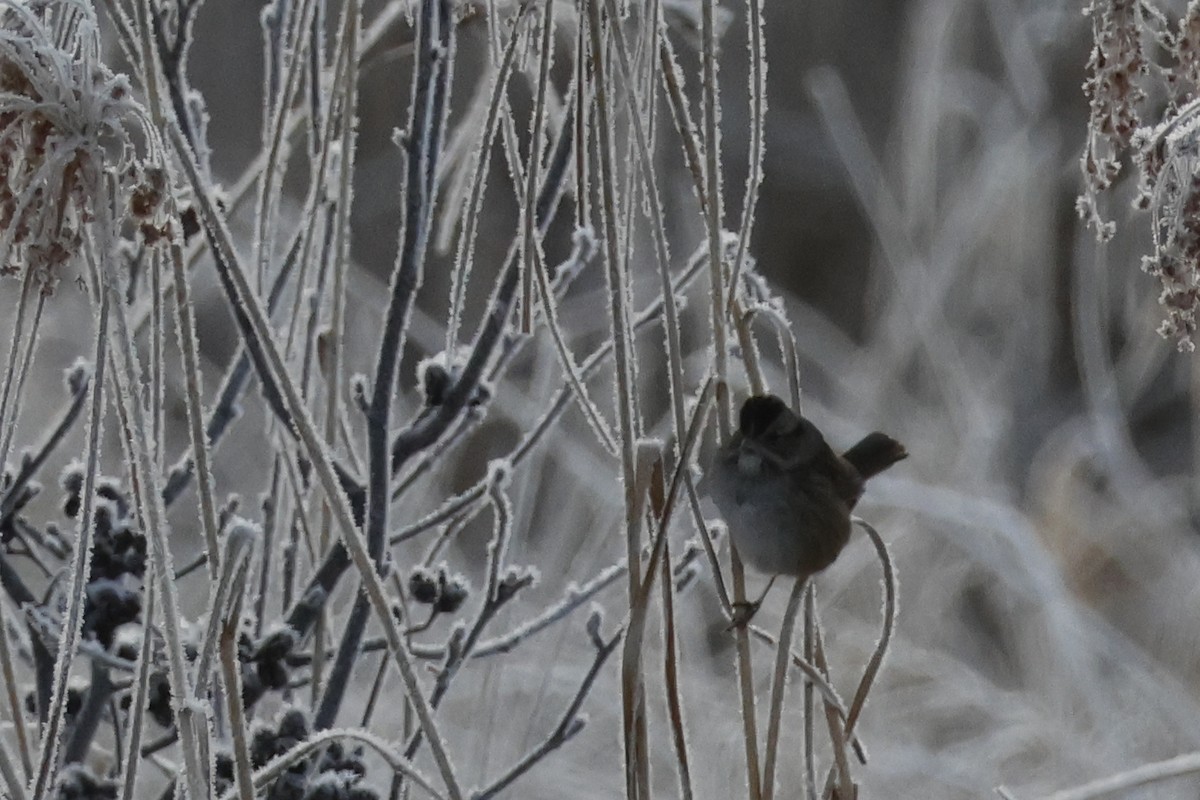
{"x": 78, "y": 385}
{"x": 137, "y": 709}
{"x": 570, "y": 724}
{"x": 1187, "y": 764}
{"x": 889, "y": 624}
{"x": 499, "y": 590}
{"x": 434, "y": 55}
{"x": 83, "y": 730}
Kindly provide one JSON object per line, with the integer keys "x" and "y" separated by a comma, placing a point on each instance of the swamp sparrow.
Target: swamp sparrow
{"x": 785, "y": 494}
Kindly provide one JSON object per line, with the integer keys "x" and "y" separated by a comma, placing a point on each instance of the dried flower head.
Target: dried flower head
{"x": 1112, "y": 87}
{"x": 66, "y": 121}
{"x": 1167, "y": 155}
{"x": 1184, "y": 75}
{"x": 1169, "y": 160}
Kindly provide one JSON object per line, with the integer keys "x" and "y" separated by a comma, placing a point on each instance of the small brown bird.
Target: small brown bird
{"x": 786, "y": 495}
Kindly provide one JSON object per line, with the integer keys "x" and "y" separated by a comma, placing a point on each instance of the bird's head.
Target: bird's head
{"x": 776, "y": 433}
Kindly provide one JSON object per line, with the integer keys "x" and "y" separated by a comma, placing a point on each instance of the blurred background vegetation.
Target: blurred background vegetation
{"x": 918, "y": 215}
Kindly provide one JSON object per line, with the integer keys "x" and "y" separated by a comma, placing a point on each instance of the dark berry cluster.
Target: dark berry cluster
{"x": 264, "y": 667}
{"x": 158, "y": 699}
{"x": 265, "y": 663}
{"x": 110, "y": 604}
{"x": 445, "y": 592}
{"x": 74, "y": 703}
{"x": 114, "y": 593}
{"x": 76, "y": 782}
{"x": 334, "y": 774}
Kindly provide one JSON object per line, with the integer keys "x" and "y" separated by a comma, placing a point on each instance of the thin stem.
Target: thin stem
{"x": 840, "y": 772}
{"x": 83, "y": 730}
{"x": 758, "y": 122}
{"x": 574, "y": 379}
{"x": 671, "y": 677}
{"x": 466, "y": 241}
{"x": 270, "y": 516}
{"x": 814, "y": 679}
{"x": 158, "y": 335}
{"x": 582, "y": 129}
{"x": 746, "y": 682}
{"x": 425, "y": 120}
{"x": 10, "y": 369}
{"x": 323, "y": 468}
{"x": 80, "y": 567}
{"x": 778, "y": 688}
{"x": 889, "y": 624}
{"x": 714, "y": 211}
{"x": 750, "y": 357}
{"x": 185, "y": 332}
{"x": 573, "y": 600}
{"x": 617, "y": 290}
{"x": 570, "y": 724}
{"x": 225, "y": 409}
{"x": 231, "y": 672}
{"x": 810, "y": 739}
{"x": 274, "y": 134}
{"x": 372, "y": 696}
{"x": 151, "y": 512}
{"x": 78, "y": 384}
{"x": 657, "y": 227}
{"x": 8, "y": 771}
{"x": 617, "y": 293}
{"x": 496, "y": 593}
{"x": 449, "y": 509}
{"x": 787, "y": 343}
{"x": 528, "y": 244}
{"x": 351, "y": 23}
{"x": 16, "y": 711}
{"x": 26, "y": 360}
{"x": 648, "y": 488}
{"x": 1186, "y": 764}
{"x": 137, "y": 709}
{"x": 227, "y": 585}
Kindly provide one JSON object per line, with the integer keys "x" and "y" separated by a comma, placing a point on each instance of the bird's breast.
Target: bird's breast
{"x": 782, "y": 523}
{"x": 749, "y": 463}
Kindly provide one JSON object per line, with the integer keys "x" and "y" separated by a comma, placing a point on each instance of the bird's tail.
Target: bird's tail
{"x": 875, "y": 453}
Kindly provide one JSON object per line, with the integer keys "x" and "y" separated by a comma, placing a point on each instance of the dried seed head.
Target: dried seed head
{"x": 1114, "y": 93}
{"x": 1169, "y": 160}
{"x": 65, "y": 125}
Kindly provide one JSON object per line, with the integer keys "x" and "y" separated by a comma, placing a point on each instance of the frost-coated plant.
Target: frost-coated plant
{"x": 241, "y": 668}
{"x": 1143, "y": 90}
